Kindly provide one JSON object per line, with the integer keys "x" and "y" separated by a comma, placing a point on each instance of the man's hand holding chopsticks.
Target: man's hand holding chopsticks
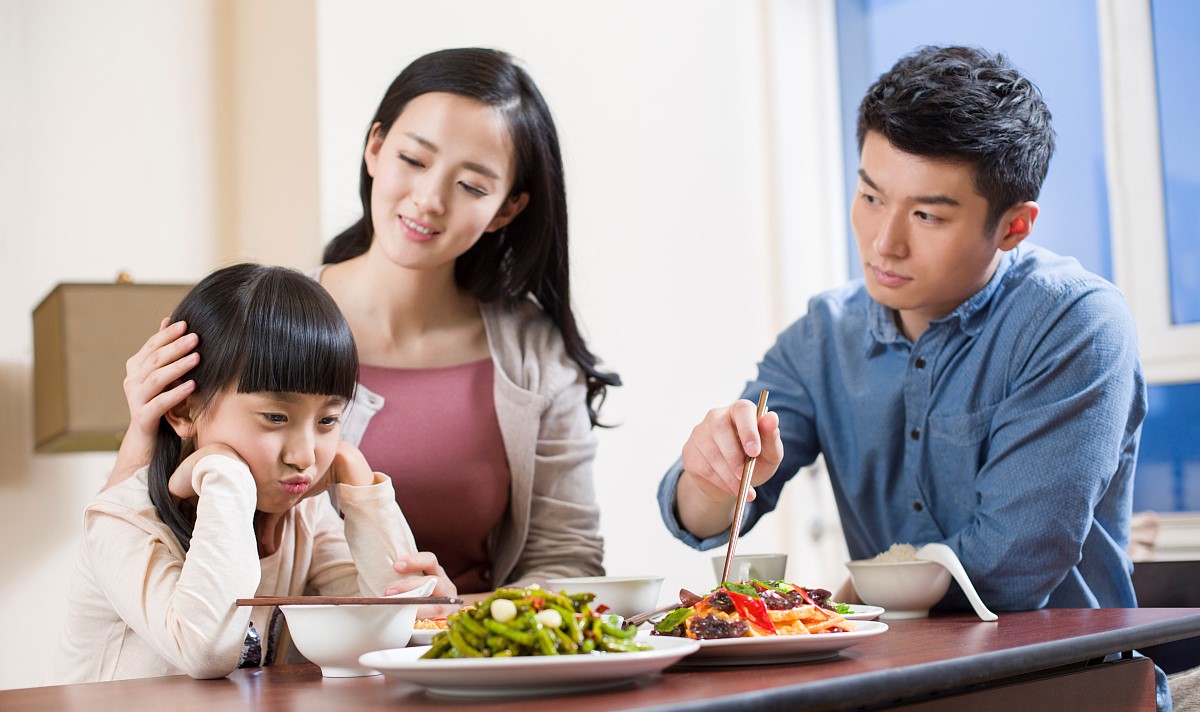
{"x": 713, "y": 457}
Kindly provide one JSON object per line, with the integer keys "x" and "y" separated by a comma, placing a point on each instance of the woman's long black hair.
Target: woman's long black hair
{"x": 261, "y": 329}
{"x": 529, "y": 256}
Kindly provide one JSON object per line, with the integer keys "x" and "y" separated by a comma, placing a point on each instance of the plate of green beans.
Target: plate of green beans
{"x": 530, "y": 641}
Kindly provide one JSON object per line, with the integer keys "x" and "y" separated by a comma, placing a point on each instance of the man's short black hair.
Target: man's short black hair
{"x": 968, "y": 105}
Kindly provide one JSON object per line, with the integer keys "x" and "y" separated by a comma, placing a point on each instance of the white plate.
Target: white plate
{"x": 857, "y": 613}
{"x": 527, "y": 676}
{"x": 772, "y": 649}
{"x": 424, "y": 636}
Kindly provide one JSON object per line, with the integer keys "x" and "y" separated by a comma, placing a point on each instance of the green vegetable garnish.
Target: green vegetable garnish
{"x": 743, "y": 588}
{"x": 779, "y": 586}
{"x": 672, "y": 620}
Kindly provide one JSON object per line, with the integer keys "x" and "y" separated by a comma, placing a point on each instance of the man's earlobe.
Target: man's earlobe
{"x": 181, "y": 420}
{"x": 1018, "y": 223}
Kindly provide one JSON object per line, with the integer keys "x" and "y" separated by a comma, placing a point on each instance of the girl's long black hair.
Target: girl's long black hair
{"x": 529, "y": 256}
{"x": 261, "y": 329}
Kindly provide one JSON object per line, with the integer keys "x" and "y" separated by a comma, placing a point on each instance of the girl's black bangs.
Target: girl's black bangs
{"x": 295, "y": 343}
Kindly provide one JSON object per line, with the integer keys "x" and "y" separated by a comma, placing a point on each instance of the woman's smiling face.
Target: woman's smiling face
{"x": 442, "y": 176}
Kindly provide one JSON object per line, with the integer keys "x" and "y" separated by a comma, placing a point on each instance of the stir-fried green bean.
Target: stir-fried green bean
{"x": 543, "y": 623}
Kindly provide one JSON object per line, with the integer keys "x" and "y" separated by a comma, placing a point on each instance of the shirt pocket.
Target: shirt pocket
{"x": 963, "y": 429}
{"x": 958, "y": 447}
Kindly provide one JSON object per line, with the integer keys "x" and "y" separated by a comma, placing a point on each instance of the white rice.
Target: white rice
{"x": 898, "y": 552}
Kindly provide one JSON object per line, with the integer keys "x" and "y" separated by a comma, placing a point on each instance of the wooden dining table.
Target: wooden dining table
{"x": 1062, "y": 658}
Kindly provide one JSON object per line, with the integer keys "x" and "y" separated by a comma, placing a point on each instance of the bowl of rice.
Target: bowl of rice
{"x": 898, "y": 582}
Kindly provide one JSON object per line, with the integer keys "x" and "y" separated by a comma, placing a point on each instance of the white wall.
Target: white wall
{"x": 686, "y": 198}
{"x": 105, "y": 165}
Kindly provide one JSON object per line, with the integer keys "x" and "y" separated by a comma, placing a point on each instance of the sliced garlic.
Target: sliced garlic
{"x": 549, "y": 618}
{"x": 503, "y": 610}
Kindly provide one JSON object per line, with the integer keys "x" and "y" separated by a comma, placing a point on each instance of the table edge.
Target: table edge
{"x": 917, "y": 679}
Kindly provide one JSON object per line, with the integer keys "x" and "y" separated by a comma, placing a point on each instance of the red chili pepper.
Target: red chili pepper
{"x": 753, "y": 610}
{"x": 804, "y": 594}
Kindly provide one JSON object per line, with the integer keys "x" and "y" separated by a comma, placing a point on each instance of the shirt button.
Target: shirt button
{"x": 917, "y": 506}
{"x": 915, "y": 434}
{"x": 920, "y": 363}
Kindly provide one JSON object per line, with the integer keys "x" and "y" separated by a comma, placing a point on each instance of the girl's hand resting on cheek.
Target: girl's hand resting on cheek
{"x": 349, "y": 467}
{"x": 181, "y": 482}
{"x": 416, "y": 569}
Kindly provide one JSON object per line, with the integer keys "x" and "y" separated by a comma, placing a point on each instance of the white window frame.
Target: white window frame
{"x": 1170, "y": 352}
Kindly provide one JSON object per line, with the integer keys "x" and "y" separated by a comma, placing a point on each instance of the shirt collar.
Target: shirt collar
{"x": 970, "y": 315}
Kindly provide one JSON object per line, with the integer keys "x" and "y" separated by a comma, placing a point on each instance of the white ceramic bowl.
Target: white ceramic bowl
{"x": 624, "y": 595}
{"x": 905, "y": 589}
{"x": 334, "y": 637}
{"x": 764, "y": 567}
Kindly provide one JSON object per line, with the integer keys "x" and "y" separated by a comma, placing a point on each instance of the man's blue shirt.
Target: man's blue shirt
{"x": 1008, "y": 431}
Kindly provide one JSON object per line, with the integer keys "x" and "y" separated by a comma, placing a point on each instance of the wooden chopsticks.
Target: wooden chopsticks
{"x": 643, "y": 617}
{"x": 346, "y": 601}
{"x": 743, "y": 492}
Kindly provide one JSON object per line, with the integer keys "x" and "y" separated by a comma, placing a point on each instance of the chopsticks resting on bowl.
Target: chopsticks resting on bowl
{"x": 686, "y": 598}
{"x": 735, "y": 529}
{"x": 643, "y": 617}
{"x": 347, "y": 601}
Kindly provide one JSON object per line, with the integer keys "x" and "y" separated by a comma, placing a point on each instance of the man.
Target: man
{"x": 972, "y": 389}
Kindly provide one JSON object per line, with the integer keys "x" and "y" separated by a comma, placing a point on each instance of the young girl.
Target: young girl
{"x": 225, "y": 509}
{"x": 476, "y": 381}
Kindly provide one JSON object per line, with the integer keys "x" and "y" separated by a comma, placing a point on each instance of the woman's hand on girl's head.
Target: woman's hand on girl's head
{"x": 180, "y": 484}
{"x": 149, "y": 374}
{"x": 415, "y": 570}
{"x": 152, "y": 387}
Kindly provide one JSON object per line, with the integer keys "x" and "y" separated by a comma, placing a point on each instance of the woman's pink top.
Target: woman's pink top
{"x": 437, "y": 437}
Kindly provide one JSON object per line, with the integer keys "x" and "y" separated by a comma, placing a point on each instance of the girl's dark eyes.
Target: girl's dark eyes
{"x": 280, "y": 419}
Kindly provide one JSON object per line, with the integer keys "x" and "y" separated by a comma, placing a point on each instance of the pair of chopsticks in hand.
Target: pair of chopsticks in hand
{"x": 734, "y": 532}
{"x": 743, "y": 492}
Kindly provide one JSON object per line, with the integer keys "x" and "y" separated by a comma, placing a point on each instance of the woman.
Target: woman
{"x": 477, "y": 393}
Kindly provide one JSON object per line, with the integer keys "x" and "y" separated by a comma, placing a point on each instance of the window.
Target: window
{"x": 1154, "y": 175}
